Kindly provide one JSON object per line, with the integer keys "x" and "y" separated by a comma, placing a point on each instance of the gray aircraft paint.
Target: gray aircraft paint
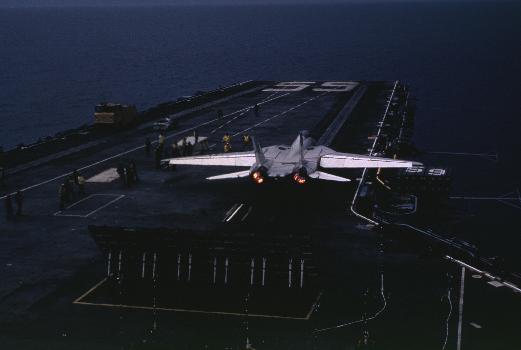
{"x": 303, "y": 157}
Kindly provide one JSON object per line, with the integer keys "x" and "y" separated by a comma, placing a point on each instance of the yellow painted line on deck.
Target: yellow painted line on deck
{"x": 223, "y": 313}
{"x": 89, "y": 291}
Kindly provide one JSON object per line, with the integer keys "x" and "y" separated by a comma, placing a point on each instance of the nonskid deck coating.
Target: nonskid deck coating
{"x": 49, "y": 260}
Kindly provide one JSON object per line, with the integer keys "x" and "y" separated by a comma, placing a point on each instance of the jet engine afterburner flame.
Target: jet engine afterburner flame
{"x": 299, "y": 179}
{"x": 258, "y": 176}
{"x": 300, "y": 176}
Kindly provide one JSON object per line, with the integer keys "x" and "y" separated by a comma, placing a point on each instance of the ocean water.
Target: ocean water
{"x": 463, "y": 61}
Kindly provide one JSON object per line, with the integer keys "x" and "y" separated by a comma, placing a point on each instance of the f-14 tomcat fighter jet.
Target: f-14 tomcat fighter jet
{"x": 300, "y": 161}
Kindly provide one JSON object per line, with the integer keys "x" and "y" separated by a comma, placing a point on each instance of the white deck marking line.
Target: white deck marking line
{"x": 460, "y": 310}
{"x": 97, "y": 285}
{"x": 510, "y": 204}
{"x": 314, "y": 305}
{"x": 228, "y": 122}
{"x": 447, "y": 321}
{"x": 503, "y": 200}
{"x": 133, "y": 150}
{"x": 247, "y": 214}
{"x": 484, "y": 155}
{"x": 269, "y": 96}
{"x": 486, "y": 198}
{"x": 495, "y": 284}
{"x": 241, "y": 114}
{"x": 59, "y": 213}
{"x": 464, "y": 153}
{"x": 508, "y": 194}
{"x": 230, "y": 211}
{"x": 235, "y": 212}
{"x": 363, "y": 319}
{"x": 71, "y": 215}
{"x": 265, "y": 120}
{"x": 475, "y": 325}
{"x": 106, "y": 205}
{"x": 224, "y": 313}
{"x": 90, "y": 290}
{"x": 224, "y": 116}
{"x": 485, "y": 274}
{"x": 362, "y": 178}
{"x": 280, "y": 114}
{"x": 74, "y": 204}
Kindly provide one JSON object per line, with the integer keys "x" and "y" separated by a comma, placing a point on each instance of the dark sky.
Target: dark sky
{"x": 16, "y": 3}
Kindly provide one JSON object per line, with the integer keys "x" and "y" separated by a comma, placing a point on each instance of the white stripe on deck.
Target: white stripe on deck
{"x": 118, "y": 197}
{"x": 280, "y": 114}
{"x": 235, "y": 212}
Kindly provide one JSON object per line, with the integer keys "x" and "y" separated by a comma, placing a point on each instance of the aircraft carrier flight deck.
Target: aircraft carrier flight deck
{"x": 171, "y": 258}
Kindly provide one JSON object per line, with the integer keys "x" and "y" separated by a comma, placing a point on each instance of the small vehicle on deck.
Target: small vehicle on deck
{"x": 164, "y": 124}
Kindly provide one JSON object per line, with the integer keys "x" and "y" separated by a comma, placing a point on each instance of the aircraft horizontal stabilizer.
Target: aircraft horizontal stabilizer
{"x": 226, "y": 159}
{"x": 325, "y": 176}
{"x": 230, "y": 175}
{"x": 346, "y": 160}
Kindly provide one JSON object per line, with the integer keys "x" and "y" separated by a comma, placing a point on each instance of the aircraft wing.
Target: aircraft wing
{"x": 236, "y": 175}
{"x": 347, "y": 160}
{"x": 245, "y": 159}
{"x": 325, "y": 176}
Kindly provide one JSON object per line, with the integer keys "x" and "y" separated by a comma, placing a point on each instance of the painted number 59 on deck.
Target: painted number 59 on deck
{"x": 329, "y": 86}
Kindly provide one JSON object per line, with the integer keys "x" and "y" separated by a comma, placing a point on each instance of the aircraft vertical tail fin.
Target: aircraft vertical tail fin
{"x": 301, "y": 151}
{"x": 259, "y": 154}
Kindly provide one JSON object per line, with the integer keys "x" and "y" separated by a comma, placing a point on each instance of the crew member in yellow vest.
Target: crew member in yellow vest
{"x": 227, "y": 138}
{"x": 246, "y": 141}
{"x": 227, "y": 147}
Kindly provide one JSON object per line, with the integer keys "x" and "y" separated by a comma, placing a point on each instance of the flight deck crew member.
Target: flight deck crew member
{"x": 246, "y": 141}
{"x": 160, "y": 147}
{"x": 227, "y": 147}
{"x": 75, "y": 176}
{"x": 256, "y": 110}
{"x": 175, "y": 154}
{"x": 227, "y": 138}
{"x": 183, "y": 147}
{"x": 219, "y": 113}
{"x": 189, "y": 148}
{"x": 62, "y": 193}
{"x": 19, "y": 199}
{"x": 196, "y": 137}
{"x": 71, "y": 185}
{"x": 81, "y": 185}
{"x": 133, "y": 171}
{"x": 121, "y": 173}
{"x": 8, "y": 207}
{"x": 128, "y": 175}
{"x": 68, "y": 190}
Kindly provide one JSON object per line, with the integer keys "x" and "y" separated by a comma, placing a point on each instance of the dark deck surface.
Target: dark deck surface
{"x": 48, "y": 259}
